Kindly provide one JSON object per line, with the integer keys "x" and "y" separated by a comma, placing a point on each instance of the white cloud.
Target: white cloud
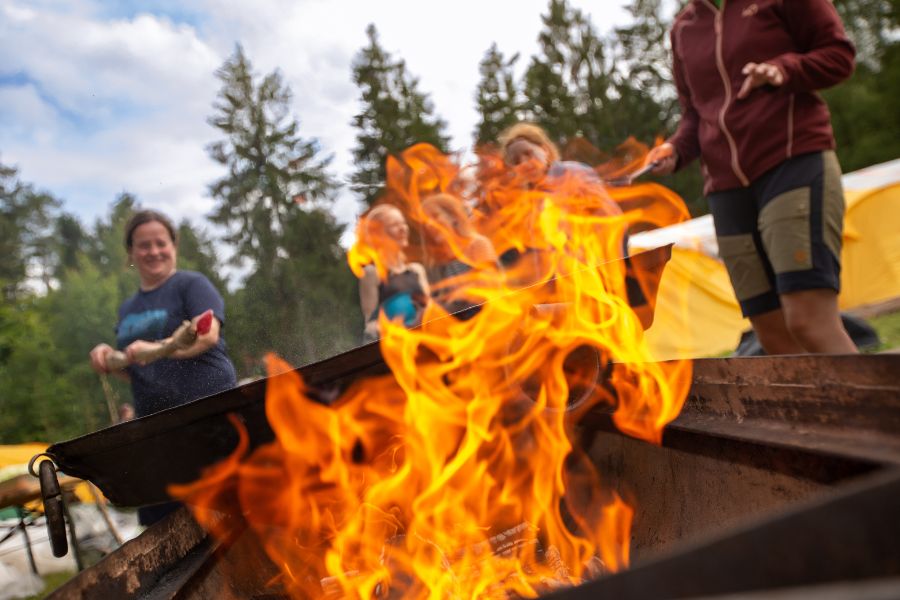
{"x": 25, "y": 114}
{"x": 99, "y": 107}
{"x": 120, "y": 103}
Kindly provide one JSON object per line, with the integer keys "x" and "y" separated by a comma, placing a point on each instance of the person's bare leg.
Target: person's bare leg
{"x": 774, "y": 335}
{"x": 813, "y": 317}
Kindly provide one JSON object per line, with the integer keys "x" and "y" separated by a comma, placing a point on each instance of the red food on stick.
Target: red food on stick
{"x": 204, "y": 323}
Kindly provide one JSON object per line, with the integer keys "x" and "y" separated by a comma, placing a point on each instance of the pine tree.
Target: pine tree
{"x": 643, "y": 54}
{"x": 647, "y": 102}
{"x": 71, "y": 242}
{"x": 26, "y": 234}
{"x": 496, "y": 97}
{"x": 297, "y": 299}
{"x": 394, "y": 116}
{"x": 551, "y": 97}
{"x": 272, "y": 171}
{"x": 601, "y": 89}
{"x": 583, "y": 86}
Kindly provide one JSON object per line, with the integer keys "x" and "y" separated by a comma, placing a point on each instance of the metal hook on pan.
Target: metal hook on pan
{"x": 55, "y": 509}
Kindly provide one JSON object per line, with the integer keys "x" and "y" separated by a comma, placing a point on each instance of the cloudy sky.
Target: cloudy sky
{"x": 100, "y": 96}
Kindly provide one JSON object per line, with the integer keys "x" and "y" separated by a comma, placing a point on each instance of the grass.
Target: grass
{"x": 888, "y": 328}
{"x": 51, "y": 582}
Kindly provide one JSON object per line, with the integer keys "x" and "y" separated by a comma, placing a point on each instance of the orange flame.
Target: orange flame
{"x": 456, "y": 475}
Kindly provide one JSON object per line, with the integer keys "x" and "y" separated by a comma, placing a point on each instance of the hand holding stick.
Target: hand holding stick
{"x": 144, "y": 353}
{"x": 627, "y": 180}
{"x": 664, "y": 159}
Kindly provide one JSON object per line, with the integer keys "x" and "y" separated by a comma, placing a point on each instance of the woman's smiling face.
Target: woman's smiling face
{"x": 153, "y": 253}
{"x": 395, "y": 227}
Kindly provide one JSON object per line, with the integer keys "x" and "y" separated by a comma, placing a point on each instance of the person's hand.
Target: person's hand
{"x": 758, "y": 75}
{"x": 138, "y": 347}
{"x": 371, "y": 329}
{"x": 98, "y": 358}
{"x": 666, "y": 158}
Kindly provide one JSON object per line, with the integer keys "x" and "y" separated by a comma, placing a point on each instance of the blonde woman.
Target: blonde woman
{"x": 404, "y": 292}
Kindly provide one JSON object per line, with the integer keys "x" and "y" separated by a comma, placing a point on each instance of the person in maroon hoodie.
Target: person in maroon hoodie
{"x": 747, "y": 72}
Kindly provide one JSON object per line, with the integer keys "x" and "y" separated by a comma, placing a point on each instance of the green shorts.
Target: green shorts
{"x": 782, "y": 234}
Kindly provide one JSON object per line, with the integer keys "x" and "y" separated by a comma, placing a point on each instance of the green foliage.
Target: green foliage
{"x": 40, "y": 396}
{"x": 394, "y": 116}
{"x": 872, "y": 24}
{"x": 70, "y": 241}
{"x": 866, "y": 123}
{"x": 196, "y": 252}
{"x": 26, "y": 239}
{"x": 550, "y": 93}
{"x": 47, "y": 388}
{"x": 304, "y": 309}
{"x": 607, "y": 89}
{"x": 496, "y": 96}
{"x": 888, "y": 328}
{"x": 298, "y": 294}
{"x": 106, "y": 246}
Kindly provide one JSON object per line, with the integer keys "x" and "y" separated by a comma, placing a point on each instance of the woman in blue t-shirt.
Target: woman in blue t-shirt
{"x": 166, "y": 298}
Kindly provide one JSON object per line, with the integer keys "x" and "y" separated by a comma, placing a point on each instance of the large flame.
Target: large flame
{"x": 458, "y": 475}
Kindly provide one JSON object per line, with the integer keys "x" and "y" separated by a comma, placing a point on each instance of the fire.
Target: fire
{"x": 458, "y": 475}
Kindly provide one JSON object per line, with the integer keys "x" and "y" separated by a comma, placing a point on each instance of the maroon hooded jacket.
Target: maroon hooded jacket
{"x": 739, "y": 140}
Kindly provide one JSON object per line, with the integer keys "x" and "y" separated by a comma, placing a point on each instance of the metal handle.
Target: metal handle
{"x": 54, "y": 510}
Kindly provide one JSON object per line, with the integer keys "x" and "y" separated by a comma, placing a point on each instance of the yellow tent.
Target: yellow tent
{"x": 14, "y": 459}
{"x": 697, "y": 313}
{"x": 871, "y": 255}
{"x": 14, "y": 462}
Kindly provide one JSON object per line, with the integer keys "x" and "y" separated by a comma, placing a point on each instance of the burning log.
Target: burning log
{"x": 503, "y": 545}
{"x": 183, "y": 337}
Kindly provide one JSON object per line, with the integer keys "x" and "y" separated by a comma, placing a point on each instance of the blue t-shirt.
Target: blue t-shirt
{"x": 155, "y": 315}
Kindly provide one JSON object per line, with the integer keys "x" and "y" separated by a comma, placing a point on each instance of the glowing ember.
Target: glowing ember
{"x": 456, "y": 476}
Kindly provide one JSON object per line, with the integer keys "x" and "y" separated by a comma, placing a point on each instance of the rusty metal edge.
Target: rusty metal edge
{"x": 878, "y": 589}
{"x": 843, "y": 406}
{"x": 852, "y": 534}
{"x": 875, "y": 449}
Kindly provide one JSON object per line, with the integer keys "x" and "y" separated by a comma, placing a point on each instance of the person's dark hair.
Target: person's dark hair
{"x": 148, "y": 216}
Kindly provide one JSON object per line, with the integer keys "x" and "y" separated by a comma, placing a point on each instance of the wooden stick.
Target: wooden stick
{"x": 111, "y": 400}
{"x": 183, "y": 337}
{"x": 104, "y": 514}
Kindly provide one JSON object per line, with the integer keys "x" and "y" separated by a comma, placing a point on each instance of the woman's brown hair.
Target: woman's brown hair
{"x": 143, "y": 217}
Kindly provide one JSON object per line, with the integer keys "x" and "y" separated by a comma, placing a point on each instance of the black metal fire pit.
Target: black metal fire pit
{"x": 780, "y": 473}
